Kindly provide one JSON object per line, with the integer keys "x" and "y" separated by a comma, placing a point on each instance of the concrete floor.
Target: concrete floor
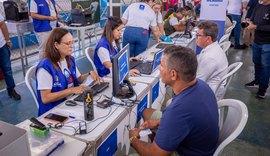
{"x": 254, "y": 140}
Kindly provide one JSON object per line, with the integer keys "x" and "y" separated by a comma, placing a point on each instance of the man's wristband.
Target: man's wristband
{"x": 132, "y": 138}
{"x": 8, "y": 41}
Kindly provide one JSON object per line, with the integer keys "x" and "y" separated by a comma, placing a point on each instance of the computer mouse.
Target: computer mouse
{"x": 71, "y": 103}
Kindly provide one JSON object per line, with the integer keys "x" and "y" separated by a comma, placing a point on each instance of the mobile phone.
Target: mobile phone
{"x": 104, "y": 103}
{"x": 56, "y": 118}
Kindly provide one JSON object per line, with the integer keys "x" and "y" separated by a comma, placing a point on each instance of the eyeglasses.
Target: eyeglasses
{"x": 199, "y": 35}
{"x": 69, "y": 43}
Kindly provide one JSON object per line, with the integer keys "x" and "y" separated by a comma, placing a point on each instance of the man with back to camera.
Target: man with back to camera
{"x": 212, "y": 61}
{"x": 44, "y": 16}
{"x": 189, "y": 125}
{"x": 5, "y": 63}
{"x": 260, "y": 22}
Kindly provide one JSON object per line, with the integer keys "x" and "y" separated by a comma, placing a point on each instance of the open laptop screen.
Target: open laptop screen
{"x": 156, "y": 61}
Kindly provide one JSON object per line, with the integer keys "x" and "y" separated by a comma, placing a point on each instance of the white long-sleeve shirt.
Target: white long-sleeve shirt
{"x": 212, "y": 65}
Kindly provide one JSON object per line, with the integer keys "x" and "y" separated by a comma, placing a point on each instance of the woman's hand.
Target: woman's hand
{"x": 134, "y": 59}
{"x": 134, "y": 72}
{"x": 95, "y": 76}
{"x": 78, "y": 89}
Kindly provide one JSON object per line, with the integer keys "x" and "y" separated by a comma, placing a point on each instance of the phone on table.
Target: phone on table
{"x": 104, "y": 103}
{"x": 56, "y": 118}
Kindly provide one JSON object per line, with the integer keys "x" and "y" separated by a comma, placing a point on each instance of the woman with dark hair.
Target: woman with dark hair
{"x": 108, "y": 46}
{"x": 138, "y": 17}
{"x": 57, "y": 75}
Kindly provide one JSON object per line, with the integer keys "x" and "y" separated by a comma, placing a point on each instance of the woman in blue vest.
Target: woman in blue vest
{"x": 57, "y": 75}
{"x": 108, "y": 46}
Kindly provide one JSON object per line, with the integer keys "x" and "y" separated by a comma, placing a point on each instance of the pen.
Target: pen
{"x": 72, "y": 117}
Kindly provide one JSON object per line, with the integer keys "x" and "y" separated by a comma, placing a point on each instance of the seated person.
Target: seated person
{"x": 189, "y": 125}
{"x": 172, "y": 24}
{"x": 212, "y": 61}
{"x": 108, "y": 46}
{"x": 57, "y": 75}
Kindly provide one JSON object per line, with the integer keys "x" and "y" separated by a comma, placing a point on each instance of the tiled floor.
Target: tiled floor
{"x": 254, "y": 140}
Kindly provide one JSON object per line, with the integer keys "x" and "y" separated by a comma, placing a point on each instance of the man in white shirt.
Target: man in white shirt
{"x": 44, "y": 17}
{"x": 234, "y": 9}
{"x": 5, "y": 63}
{"x": 212, "y": 61}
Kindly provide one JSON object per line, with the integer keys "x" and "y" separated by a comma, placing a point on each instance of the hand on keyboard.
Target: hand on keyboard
{"x": 95, "y": 76}
{"x": 77, "y": 90}
{"x": 134, "y": 72}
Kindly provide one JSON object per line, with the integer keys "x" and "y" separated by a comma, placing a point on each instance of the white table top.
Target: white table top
{"x": 99, "y": 127}
{"x": 71, "y": 146}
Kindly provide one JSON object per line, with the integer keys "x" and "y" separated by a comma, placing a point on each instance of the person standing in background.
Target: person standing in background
{"x": 138, "y": 18}
{"x": 157, "y": 7}
{"x": 234, "y": 10}
{"x": 248, "y": 35}
{"x": 5, "y": 63}
{"x": 260, "y": 22}
{"x": 44, "y": 16}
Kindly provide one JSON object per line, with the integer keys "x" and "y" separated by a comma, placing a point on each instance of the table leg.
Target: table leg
{"x": 21, "y": 53}
{"x": 24, "y": 49}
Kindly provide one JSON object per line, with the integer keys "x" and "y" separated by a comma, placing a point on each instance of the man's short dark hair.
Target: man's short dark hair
{"x": 183, "y": 60}
{"x": 209, "y": 29}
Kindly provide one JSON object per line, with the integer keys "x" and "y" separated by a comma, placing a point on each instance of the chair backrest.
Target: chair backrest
{"x": 229, "y": 30}
{"x": 225, "y": 46}
{"x": 234, "y": 123}
{"x": 30, "y": 81}
{"x": 225, "y": 37}
{"x": 234, "y": 23}
{"x": 89, "y": 52}
{"x": 225, "y": 81}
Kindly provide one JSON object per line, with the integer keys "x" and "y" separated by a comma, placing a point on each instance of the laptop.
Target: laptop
{"x": 149, "y": 67}
{"x": 163, "y": 45}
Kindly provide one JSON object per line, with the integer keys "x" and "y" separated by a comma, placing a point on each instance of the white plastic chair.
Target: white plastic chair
{"x": 234, "y": 123}
{"x": 89, "y": 52}
{"x": 225, "y": 37}
{"x": 225, "y": 81}
{"x": 30, "y": 81}
{"x": 229, "y": 30}
{"x": 225, "y": 46}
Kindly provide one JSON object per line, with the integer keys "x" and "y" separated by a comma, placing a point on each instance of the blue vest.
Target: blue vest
{"x": 43, "y": 9}
{"x": 101, "y": 69}
{"x": 59, "y": 83}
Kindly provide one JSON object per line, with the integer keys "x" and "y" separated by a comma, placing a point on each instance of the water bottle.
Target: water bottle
{"x": 88, "y": 106}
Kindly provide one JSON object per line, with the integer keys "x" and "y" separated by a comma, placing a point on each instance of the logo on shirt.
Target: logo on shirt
{"x": 57, "y": 83}
{"x": 141, "y": 7}
{"x": 69, "y": 78}
{"x": 266, "y": 16}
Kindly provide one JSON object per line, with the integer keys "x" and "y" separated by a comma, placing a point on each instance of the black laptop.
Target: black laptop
{"x": 148, "y": 67}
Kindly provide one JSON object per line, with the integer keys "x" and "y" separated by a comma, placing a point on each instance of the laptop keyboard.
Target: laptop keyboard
{"x": 163, "y": 45}
{"x": 96, "y": 88}
{"x": 133, "y": 64}
{"x": 145, "y": 68}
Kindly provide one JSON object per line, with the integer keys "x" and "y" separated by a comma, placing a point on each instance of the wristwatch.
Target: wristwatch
{"x": 132, "y": 138}
{"x": 8, "y": 41}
